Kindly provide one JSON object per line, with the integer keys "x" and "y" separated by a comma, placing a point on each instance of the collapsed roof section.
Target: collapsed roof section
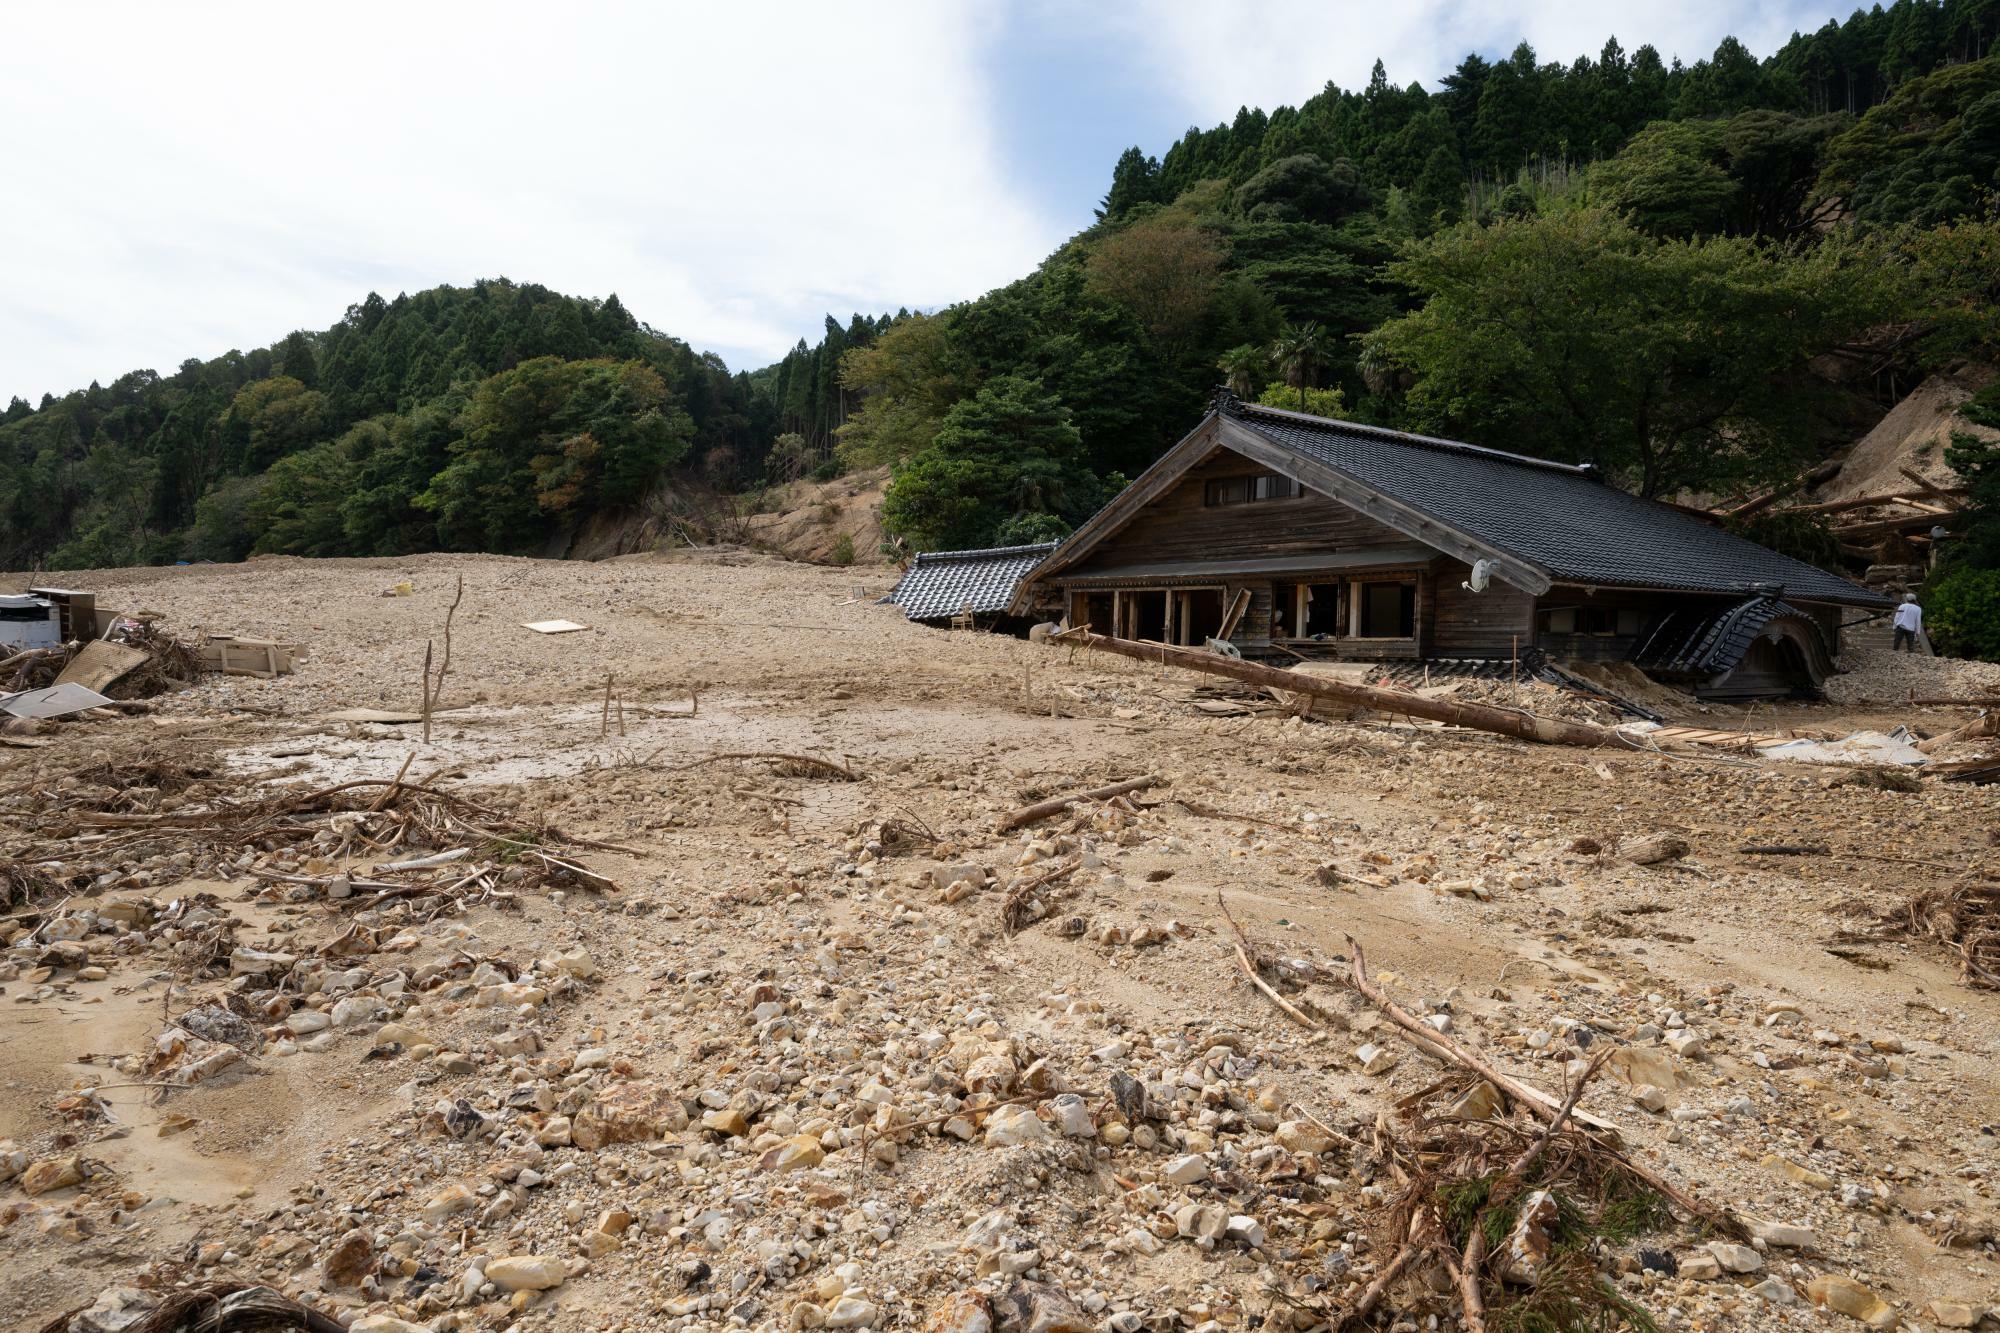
{"x": 941, "y": 584}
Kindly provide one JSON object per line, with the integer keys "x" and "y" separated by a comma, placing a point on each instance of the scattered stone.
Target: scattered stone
{"x": 1843, "y": 1295}
{"x": 1736, "y": 1258}
{"x": 527, "y": 1272}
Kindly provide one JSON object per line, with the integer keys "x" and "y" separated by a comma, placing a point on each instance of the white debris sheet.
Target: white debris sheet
{"x": 1859, "y": 747}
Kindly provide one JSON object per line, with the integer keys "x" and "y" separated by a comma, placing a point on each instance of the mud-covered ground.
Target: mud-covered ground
{"x": 759, "y": 1084}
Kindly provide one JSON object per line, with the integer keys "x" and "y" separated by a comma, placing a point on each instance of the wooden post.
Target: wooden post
{"x": 1480, "y": 717}
{"x": 427, "y": 691}
{"x": 604, "y": 718}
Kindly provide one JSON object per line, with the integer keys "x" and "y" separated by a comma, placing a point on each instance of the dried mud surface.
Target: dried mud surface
{"x": 760, "y": 958}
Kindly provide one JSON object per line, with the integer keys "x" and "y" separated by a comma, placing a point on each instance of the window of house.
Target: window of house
{"x": 1323, "y": 609}
{"x": 1386, "y": 610}
{"x": 1245, "y": 490}
{"x": 1600, "y": 621}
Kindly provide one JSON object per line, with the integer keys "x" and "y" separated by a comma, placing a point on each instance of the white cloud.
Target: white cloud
{"x": 1222, "y": 54}
{"x": 189, "y": 178}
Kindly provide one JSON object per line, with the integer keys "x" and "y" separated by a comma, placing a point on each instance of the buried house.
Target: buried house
{"x": 1302, "y": 537}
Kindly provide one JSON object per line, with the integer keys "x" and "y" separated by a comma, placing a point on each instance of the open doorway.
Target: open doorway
{"x": 1092, "y": 609}
{"x": 1145, "y": 615}
{"x": 1199, "y": 615}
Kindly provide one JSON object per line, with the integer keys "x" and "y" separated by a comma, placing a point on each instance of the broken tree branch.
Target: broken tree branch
{"x": 1539, "y": 1103}
{"x": 1290, "y": 1010}
{"x": 1040, "y": 810}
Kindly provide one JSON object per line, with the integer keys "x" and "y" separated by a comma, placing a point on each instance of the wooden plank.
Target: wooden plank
{"x": 1234, "y": 615}
{"x": 100, "y": 663}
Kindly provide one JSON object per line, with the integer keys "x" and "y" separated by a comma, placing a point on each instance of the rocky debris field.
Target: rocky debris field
{"x": 683, "y": 981}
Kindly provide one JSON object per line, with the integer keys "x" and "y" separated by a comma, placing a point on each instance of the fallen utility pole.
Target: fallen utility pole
{"x": 1480, "y": 717}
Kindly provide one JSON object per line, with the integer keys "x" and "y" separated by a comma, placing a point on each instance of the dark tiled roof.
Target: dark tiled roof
{"x": 1693, "y": 643}
{"x": 1559, "y": 517}
{"x": 942, "y": 583}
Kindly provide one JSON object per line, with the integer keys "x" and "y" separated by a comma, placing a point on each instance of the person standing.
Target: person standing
{"x": 1909, "y": 624}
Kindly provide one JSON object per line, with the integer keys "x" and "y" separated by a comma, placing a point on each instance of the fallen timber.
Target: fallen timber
{"x": 1480, "y": 717}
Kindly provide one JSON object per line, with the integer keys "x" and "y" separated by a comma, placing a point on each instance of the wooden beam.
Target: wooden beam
{"x": 1237, "y": 606}
{"x": 1842, "y": 506}
{"x": 1363, "y": 498}
{"x": 1882, "y": 527}
{"x": 1947, "y": 495}
{"x": 1480, "y": 717}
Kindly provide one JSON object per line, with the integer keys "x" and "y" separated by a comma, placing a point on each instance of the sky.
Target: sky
{"x": 189, "y": 178}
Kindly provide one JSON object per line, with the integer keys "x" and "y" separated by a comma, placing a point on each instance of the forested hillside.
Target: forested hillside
{"x": 1690, "y": 275}
{"x": 483, "y": 418}
{"x": 1683, "y": 274}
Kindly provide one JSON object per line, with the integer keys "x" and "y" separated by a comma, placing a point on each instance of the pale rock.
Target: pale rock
{"x": 1246, "y": 1230}
{"x": 1777, "y": 1291}
{"x": 1736, "y": 1258}
{"x": 1843, "y": 1295}
{"x": 1010, "y": 1126}
{"x": 1189, "y": 1170}
{"x": 967, "y": 1311}
{"x": 527, "y": 1272}
{"x": 729, "y": 1122}
{"x": 1374, "y": 1059}
{"x": 1701, "y": 1266}
{"x": 1784, "y": 1235}
{"x": 1072, "y": 1116}
{"x": 1302, "y": 1136}
{"x": 115, "y": 1310}
{"x": 453, "y": 1198}
{"x": 307, "y": 1021}
{"x": 1650, "y": 1098}
{"x": 354, "y": 1010}
{"x": 851, "y": 1312}
{"x": 1481, "y": 1101}
{"x": 1201, "y": 1221}
{"x": 576, "y": 963}
{"x": 798, "y": 1153}
{"x": 50, "y": 1174}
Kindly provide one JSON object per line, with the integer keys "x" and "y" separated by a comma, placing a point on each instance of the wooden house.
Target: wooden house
{"x": 1359, "y": 543}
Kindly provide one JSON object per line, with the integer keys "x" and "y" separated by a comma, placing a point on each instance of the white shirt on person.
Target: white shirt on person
{"x": 1910, "y": 616}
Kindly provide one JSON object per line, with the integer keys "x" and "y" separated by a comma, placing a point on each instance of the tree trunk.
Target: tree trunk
{"x": 1480, "y": 717}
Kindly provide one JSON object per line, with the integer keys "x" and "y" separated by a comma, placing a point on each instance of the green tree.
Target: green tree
{"x": 1299, "y": 352}
{"x": 269, "y": 419}
{"x": 1166, "y": 274}
{"x": 1245, "y": 368}
{"x": 1576, "y": 336}
{"x": 548, "y": 442}
{"x": 1009, "y": 450}
{"x": 906, "y": 380}
{"x": 1314, "y": 402}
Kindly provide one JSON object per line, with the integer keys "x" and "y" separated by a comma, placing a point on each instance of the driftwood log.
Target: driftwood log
{"x": 1480, "y": 717}
{"x": 1040, "y": 810}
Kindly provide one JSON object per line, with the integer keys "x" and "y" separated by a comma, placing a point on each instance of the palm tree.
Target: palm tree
{"x": 1299, "y": 350}
{"x": 1244, "y": 369}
